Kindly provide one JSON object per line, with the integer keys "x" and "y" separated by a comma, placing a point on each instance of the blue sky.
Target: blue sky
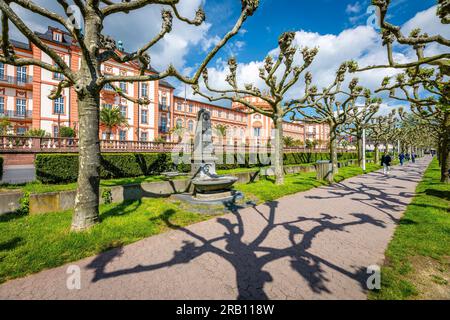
{"x": 276, "y": 16}
{"x": 338, "y": 28}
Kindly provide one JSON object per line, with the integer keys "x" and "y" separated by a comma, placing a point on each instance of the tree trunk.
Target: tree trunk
{"x": 445, "y": 150}
{"x": 377, "y": 153}
{"x": 108, "y": 135}
{"x": 279, "y": 153}
{"x": 359, "y": 142}
{"x": 87, "y": 199}
{"x": 333, "y": 149}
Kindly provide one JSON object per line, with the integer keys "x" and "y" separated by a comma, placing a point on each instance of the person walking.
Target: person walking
{"x": 413, "y": 157}
{"x": 386, "y": 163}
{"x": 401, "y": 157}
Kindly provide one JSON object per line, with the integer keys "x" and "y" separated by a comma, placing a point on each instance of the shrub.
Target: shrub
{"x": 37, "y": 133}
{"x": 66, "y": 132}
{"x": 24, "y": 204}
{"x": 56, "y": 168}
{"x": 63, "y": 168}
{"x": 107, "y": 196}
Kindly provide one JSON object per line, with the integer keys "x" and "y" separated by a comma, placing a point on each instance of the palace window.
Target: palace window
{"x": 57, "y": 36}
{"x": 179, "y": 106}
{"x": 123, "y": 111}
{"x": 144, "y": 90}
{"x": 22, "y": 74}
{"x": 191, "y": 108}
{"x": 163, "y": 124}
{"x": 122, "y": 135}
{"x": 2, "y": 105}
{"x": 108, "y": 87}
{"x": 144, "y": 136}
{"x": 191, "y": 126}
{"x": 55, "y": 132}
{"x": 58, "y": 106}
{"x": 20, "y": 131}
{"x": 257, "y": 132}
{"x": 144, "y": 116}
{"x": 21, "y": 107}
{"x": 2, "y": 71}
{"x": 164, "y": 104}
{"x": 180, "y": 123}
{"x": 123, "y": 86}
{"x": 57, "y": 75}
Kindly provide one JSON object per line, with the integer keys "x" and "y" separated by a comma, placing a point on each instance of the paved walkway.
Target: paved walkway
{"x": 312, "y": 245}
{"x": 17, "y": 174}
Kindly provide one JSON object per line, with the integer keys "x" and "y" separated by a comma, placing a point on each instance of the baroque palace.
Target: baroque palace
{"x": 24, "y": 102}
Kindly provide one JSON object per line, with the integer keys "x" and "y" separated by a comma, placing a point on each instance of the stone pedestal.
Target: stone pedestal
{"x": 203, "y": 166}
{"x": 324, "y": 171}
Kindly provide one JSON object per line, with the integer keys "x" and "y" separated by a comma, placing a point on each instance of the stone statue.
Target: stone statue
{"x": 203, "y": 160}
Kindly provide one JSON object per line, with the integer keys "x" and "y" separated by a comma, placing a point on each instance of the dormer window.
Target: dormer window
{"x": 57, "y": 36}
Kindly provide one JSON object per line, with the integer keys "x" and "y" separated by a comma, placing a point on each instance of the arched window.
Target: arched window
{"x": 179, "y": 123}
{"x": 191, "y": 125}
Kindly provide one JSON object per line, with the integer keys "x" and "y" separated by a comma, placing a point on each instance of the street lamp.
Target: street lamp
{"x": 364, "y": 150}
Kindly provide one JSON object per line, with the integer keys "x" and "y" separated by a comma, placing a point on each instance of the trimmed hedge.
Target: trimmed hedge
{"x": 63, "y": 168}
{"x": 1, "y": 168}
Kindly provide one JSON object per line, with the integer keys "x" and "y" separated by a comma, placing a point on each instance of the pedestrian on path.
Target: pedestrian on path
{"x": 386, "y": 163}
{"x": 413, "y": 157}
{"x": 401, "y": 157}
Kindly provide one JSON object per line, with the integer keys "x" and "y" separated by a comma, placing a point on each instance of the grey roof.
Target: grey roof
{"x": 48, "y": 35}
{"x": 20, "y": 44}
{"x": 166, "y": 84}
{"x": 208, "y": 103}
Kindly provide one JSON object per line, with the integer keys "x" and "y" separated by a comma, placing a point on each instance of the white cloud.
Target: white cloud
{"x": 353, "y": 8}
{"x": 362, "y": 44}
{"x": 138, "y": 27}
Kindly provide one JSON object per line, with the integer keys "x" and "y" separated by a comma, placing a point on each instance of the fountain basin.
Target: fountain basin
{"x": 212, "y": 185}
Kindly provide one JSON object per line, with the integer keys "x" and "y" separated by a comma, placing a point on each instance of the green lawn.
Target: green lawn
{"x": 29, "y": 244}
{"x": 418, "y": 258}
{"x": 265, "y": 190}
{"x": 38, "y": 187}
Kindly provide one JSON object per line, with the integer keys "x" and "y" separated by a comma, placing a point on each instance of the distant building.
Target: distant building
{"x": 24, "y": 101}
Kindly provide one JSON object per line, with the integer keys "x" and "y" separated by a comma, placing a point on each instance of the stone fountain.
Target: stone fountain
{"x": 207, "y": 186}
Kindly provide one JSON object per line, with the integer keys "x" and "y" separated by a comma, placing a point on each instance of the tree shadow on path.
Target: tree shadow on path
{"x": 249, "y": 259}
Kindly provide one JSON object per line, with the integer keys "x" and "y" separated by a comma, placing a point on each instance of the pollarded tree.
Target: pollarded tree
{"x": 429, "y": 97}
{"x": 221, "y": 130}
{"x": 332, "y": 106}
{"x": 417, "y": 132}
{"x": 381, "y": 130}
{"x": 278, "y": 86}
{"x": 424, "y": 82}
{"x": 178, "y": 131}
{"x": 415, "y": 40}
{"x": 359, "y": 120}
{"x": 97, "y": 48}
